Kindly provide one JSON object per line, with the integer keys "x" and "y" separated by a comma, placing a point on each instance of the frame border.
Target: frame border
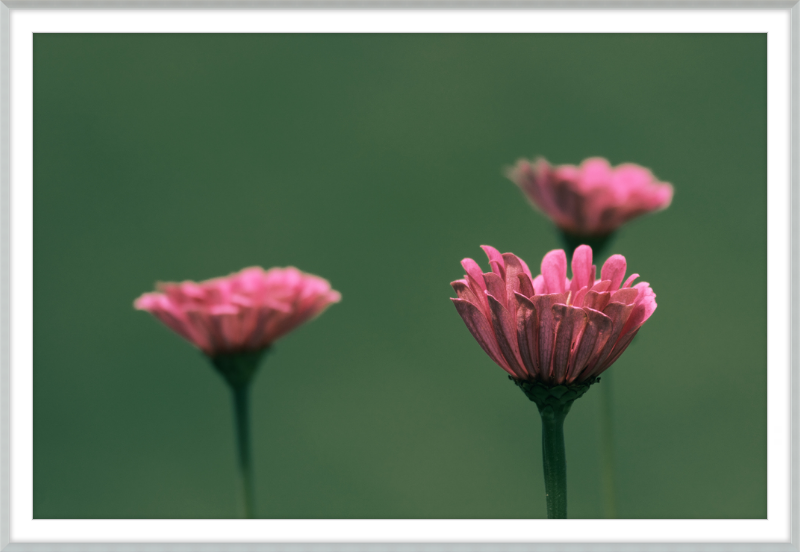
{"x": 6, "y": 8}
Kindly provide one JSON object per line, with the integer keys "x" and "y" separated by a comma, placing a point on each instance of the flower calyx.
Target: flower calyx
{"x": 554, "y": 400}
{"x": 238, "y": 368}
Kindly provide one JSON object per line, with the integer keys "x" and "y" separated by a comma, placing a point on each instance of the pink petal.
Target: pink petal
{"x": 554, "y": 271}
{"x": 482, "y": 331}
{"x": 505, "y": 329}
{"x": 477, "y": 284}
{"x": 582, "y": 268}
{"x": 595, "y": 335}
{"x": 526, "y": 285}
{"x": 513, "y": 272}
{"x": 625, "y": 296}
{"x": 570, "y": 325}
{"x": 602, "y": 285}
{"x": 495, "y": 256}
{"x": 619, "y": 314}
{"x": 579, "y": 297}
{"x": 546, "y": 330}
{"x": 539, "y": 285}
{"x": 474, "y": 272}
{"x": 614, "y": 270}
{"x": 496, "y": 287}
{"x": 527, "y": 334}
{"x": 463, "y": 291}
{"x": 596, "y": 300}
{"x": 630, "y": 280}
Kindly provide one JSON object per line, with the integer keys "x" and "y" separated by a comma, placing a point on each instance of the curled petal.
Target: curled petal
{"x": 505, "y": 329}
{"x": 495, "y": 257}
{"x": 481, "y": 330}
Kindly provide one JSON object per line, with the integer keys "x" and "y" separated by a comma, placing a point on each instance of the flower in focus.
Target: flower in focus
{"x": 594, "y": 199}
{"x": 550, "y": 329}
{"x": 241, "y": 313}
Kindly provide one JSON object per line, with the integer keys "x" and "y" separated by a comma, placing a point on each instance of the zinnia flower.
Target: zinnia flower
{"x": 550, "y": 329}
{"x": 553, "y": 335}
{"x": 243, "y": 312}
{"x": 594, "y": 199}
{"x": 234, "y": 320}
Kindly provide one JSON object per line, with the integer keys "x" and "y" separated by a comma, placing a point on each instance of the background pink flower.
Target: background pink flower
{"x": 552, "y": 329}
{"x": 593, "y": 199}
{"x": 246, "y": 311}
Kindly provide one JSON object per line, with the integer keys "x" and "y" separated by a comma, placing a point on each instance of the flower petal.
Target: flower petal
{"x": 505, "y": 329}
{"x": 581, "y": 268}
{"x": 526, "y": 285}
{"x": 527, "y": 334}
{"x": 595, "y": 335}
{"x": 614, "y": 270}
{"x": 495, "y": 256}
{"x": 619, "y": 314}
{"x": 546, "y": 330}
{"x": 626, "y": 296}
{"x": 539, "y": 285}
{"x": 496, "y": 287}
{"x": 513, "y": 272}
{"x": 482, "y": 331}
{"x": 465, "y": 292}
{"x": 602, "y": 285}
{"x": 554, "y": 271}
{"x": 596, "y": 300}
{"x": 571, "y": 322}
{"x": 630, "y": 280}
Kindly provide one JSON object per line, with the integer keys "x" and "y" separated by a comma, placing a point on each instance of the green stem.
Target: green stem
{"x": 607, "y": 444}
{"x": 238, "y": 370}
{"x": 241, "y": 408}
{"x": 555, "y": 462}
{"x": 597, "y": 243}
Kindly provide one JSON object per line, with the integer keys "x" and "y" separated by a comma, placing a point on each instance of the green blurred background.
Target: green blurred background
{"x": 376, "y": 161}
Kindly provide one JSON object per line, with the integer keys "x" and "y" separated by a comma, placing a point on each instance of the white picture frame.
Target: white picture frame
{"x": 19, "y": 19}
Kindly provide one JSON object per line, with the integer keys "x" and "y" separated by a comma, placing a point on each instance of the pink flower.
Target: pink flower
{"x": 551, "y": 329}
{"x": 594, "y": 199}
{"x": 243, "y": 312}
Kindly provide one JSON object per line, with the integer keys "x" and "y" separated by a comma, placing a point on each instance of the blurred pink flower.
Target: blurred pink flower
{"x": 551, "y": 329}
{"x": 594, "y": 199}
{"x": 243, "y": 312}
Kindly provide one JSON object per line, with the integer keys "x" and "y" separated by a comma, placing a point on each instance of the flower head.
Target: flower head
{"x": 594, "y": 199}
{"x": 551, "y": 329}
{"x": 244, "y": 312}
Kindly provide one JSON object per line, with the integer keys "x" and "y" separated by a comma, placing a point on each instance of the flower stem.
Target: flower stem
{"x": 238, "y": 370}
{"x": 241, "y": 407}
{"x": 555, "y": 462}
{"x": 607, "y": 444}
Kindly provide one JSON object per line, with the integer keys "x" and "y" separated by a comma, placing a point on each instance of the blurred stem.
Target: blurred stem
{"x": 607, "y": 445}
{"x": 555, "y": 461}
{"x": 238, "y": 370}
{"x": 241, "y": 406}
{"x": 597, "y": 243}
